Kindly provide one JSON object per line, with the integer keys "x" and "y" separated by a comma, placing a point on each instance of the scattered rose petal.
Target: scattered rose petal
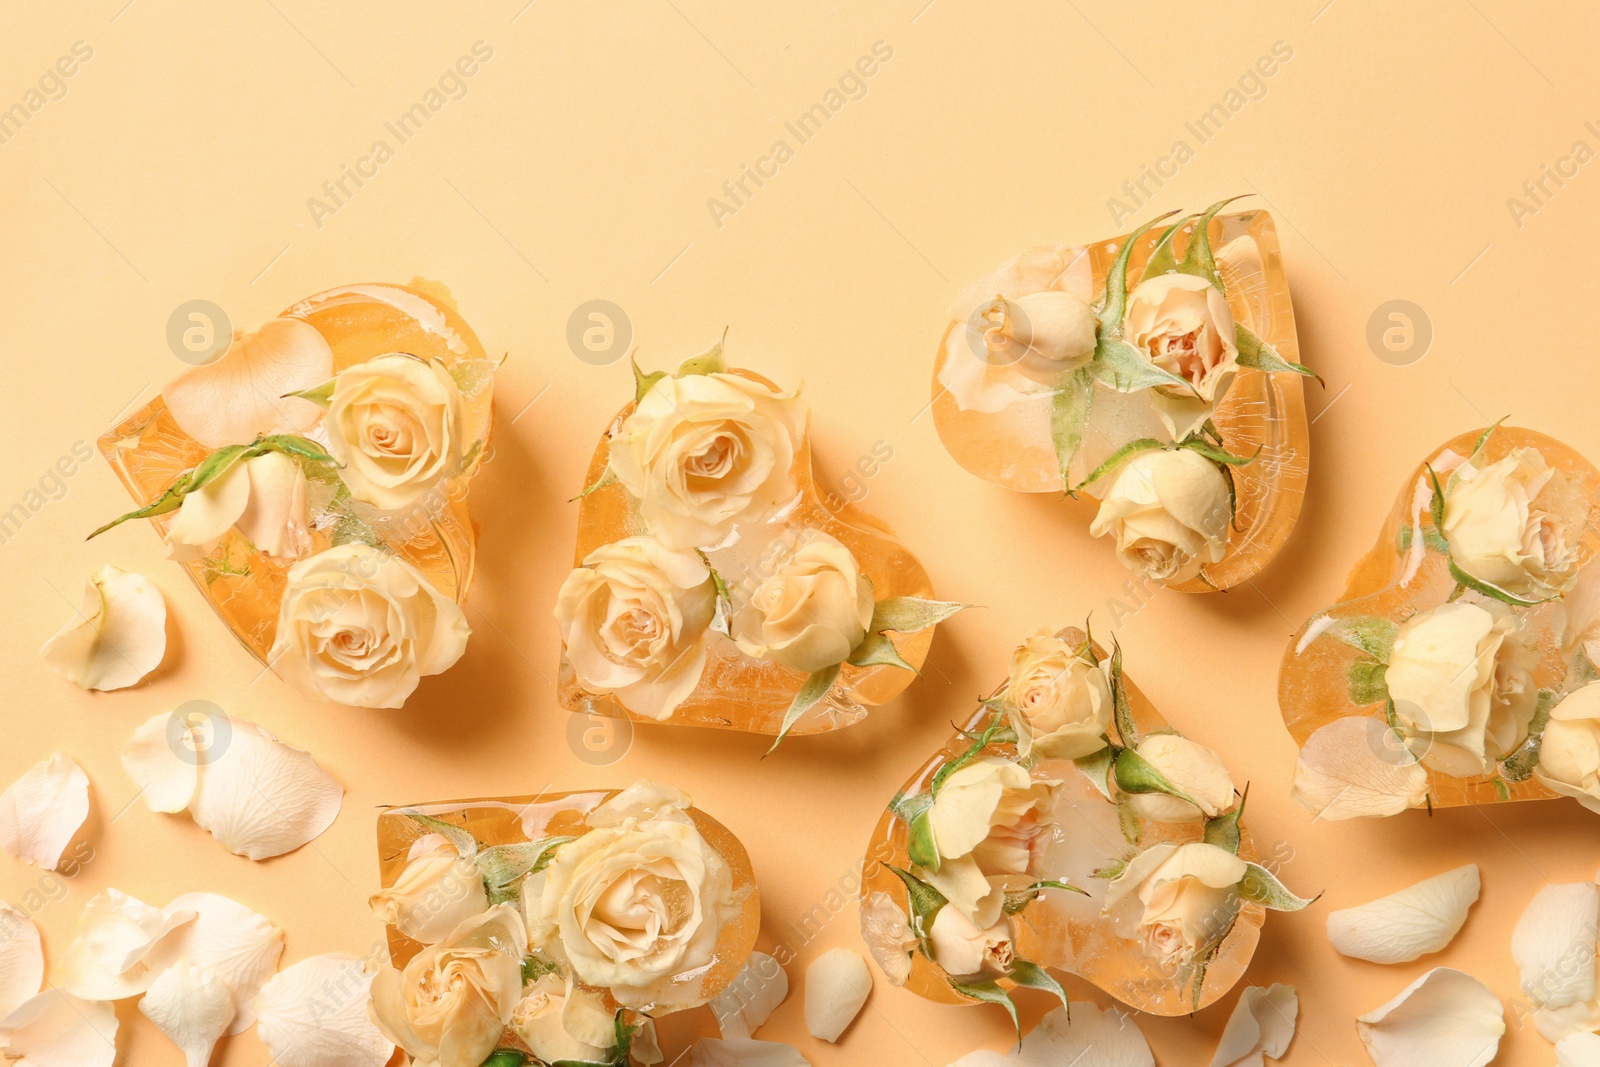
{"x": 887, "y": 932}
{"x": 1443, "y": 1019}
{"x": 240, "y": 947}
{"x": 119, "y": 636}
{"x": 41, "y": 811}
{"x": 21, "y": 959}
{"x": 983, "y": 1058}
{"x": 166, "y": 776}
{"x": 314, "y": 1014}
{"x": 1554, "y": 945}
{"x": 111, "y": 957}
{"x": 57, "y": 1030}
{"x": 1578, "y": 1050}
{"x": 241, "y": 395}
{"x": 261, "y": 798}
{"x": 1092, "y": 1038}
{"x": 191, "y": 1007}
{"x": 837, "y": 986}
{"x": 1260, "y": 1028}
{"x": 742, "y": 1052}
{"x": 1354, "y": 767}
{"x": 751, "y": 998}
{"x": 1415, "y": 921}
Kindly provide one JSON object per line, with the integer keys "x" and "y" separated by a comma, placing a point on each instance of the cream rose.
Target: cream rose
{"x": 436, "y": 892}
{"x": 811, "y": 612}
{"x": 1043, "y": 335}
{"x": 1459, "y": 677}
{"x": 395, "y": 422}
{"x": 540, "y": 1021}
{"x": 1178, "y": 901}
{"x": 1569, "y": 755}
{"x": 634, "y": 620}
{"x": 1169, "y": 512}
{"x": 451, "y": 1004}
{"x": 1515, "y": 524}
{"x": 634, "y": 908}
{"x": 1194, "y": 770}
{"x": 1183, "y": 324}
{"x": 1058, "y": 703}
{"x": 360, "y": 626}
{"x": 264, "y": 497}
{"x": 989, "y": 819}
{"x": 703, "y": 452}
{"x": 965, "y": 950}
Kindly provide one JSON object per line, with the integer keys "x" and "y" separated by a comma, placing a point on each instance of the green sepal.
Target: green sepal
{"x": 877, "y": 650}
{"x": 1128, "y": 823}
{"x": 643, "y": 383}
{"x": 1111, "y": 871}
{"x": 321, "y": 395}
{"x": 1519, "y": 766}
{"x": 504, "y": 866}
{"x": 1069, "y": 413}
{"x": 815, "y": 688}
{"x": 979, "y": 743}
{"x": 535, "y": 967}
{"x": 1135, "y": 774}
{"x": 1218, "y": 455}
{"x": 1116, "y": 295}
{"x": 1197, "y": 258}
{"x": 990, "y": 993}
{"x": 1162, "y": 258}
{"x": 1124, "y": 368}
{"x": 1223, "y": 830}
{"x": 722, "y": 617}
{"x": 1111, "y": 462}
{"x": 1263, "y": 887}
{"x": 913, "y": 811}
{"x": 909, "y": 614}
{"x": 1257, "y": 354}
{"x": 1432, "y": 538}
{"x": 1371, "y": 635}
{"x": 710, "y": 361}
{"x": 1483, "y": 438}
{"x": 619, "y": 1050}
{"x": 1018, "y": 899}
{"x": 1097, "y": 768}
{"x": 1502, "y": 790}
{"x": 1436, "y": 503}
{"x": 505, "y": 1057}
{"x": 925, "y": 902}
{"x": 608, "y": 478}
{"x": 464, "y": 843}
{"x": 1127, "y": 729}
{"x": 1029, "y": 974}
{"x": 1478, "y": 585}
{"x": 1367, "y": 681}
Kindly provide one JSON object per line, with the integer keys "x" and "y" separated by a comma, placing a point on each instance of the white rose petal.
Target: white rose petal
{"x": 740, "y": 1052}
{"x": 1355, "y": 767}
{"x": 1194, "y": 770}
{"x": 1579, "y": 612}
{"x": 260, "y": 798}
{"x": 57, "y": 1030}
{"x": 751, "y": 998}
{"x": 240, "y": 396}
{"x": 837, "y": 986}
{"x": 1578, "y": 1050}
{"x": 42, "y": 810}
{"x": 644, "y": 799}
{"x": 264, "y": 496}
{"x": 1260, "y": 1028}
{"x": 1553, "y": 944}
{"x": 114, "y": 954}
{"x": 21, "y": 959}
{"x": 1569, "y": 754}
{"x": 314, "y": 1014}
{"x": 240, "y": 947}
{"x": 1415, "y": 921}
{"x": 983, "y": 1058}
{"x": 191, "y": 1007}
{"x": 1092, "y": 1038}
{"x": 1445, "y": 1018}
{"x": 166, "y": 777}
{"x": 119, "y": 636}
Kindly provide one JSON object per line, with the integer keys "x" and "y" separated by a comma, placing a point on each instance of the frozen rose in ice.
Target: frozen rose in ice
{"x": 263, "y": 496}
{"x": 1569, "y": 755}
{"x": 966, "y": 950}
{"x": 360, "y": 626}
{"x": 1044, "y": 335}
{"x": 1514, "y": 523}
{"x": 1183, "y": 324}
{"x": 634, "y": 621}
{"x": 1178, "y": 901}
{"x": 437, "y": 891}
{"x": 396, "y": 423}
{"x": 1194, "y": 770}
{"x": 989, "y": 819}
{"x": 1169, "y": 511}
{"x": 811, "y": 612}
{"x": 537, "y": 1020}
{"x": 702, "y": 452}
{"x": 1058, "y": 702}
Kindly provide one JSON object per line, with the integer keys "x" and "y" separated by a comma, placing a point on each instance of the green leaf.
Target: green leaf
{"x": 1128, "y": 823}
{"x": 978, "y": 745}
{"x": 913, "y": 811}
{"x": 1369, "y": 634}
{"x": 169, "y": 501}
{"x": 1436, "y": 502}
{"x": 815, "y": 688}
{"x": 463, "y": 842}
{"x": 990, "y": 993}
{"x": 608, "y": 478}
{"x": 1500, "y": 787}
{"x": 1111, "y": 871}
{"x": 1111, "y": 462}
{"x": 1033, "y": 976}
{"x": 1197, "y": 258}
{"x": 1519, "y": 766}
{"x": 708, "y": 362}
{"x": 1162, "y": 258}
{"x": 321, "y": 395}
{"x": 1367, "y": 683}
{"x": 1263, "y": 887}
{"x": 877, "y": 650}
{"x": 643, "y": 383}
{"x": 1127, "y": 370}
{"x": 1218, "y": 455}
{"x": 1097, "y": 768}
{"x": 925, "y": 902}
{"x": 1127, "y": 729}
{"x": 908, "y": 614}
{"x": 1223, "y": 830}
{"x": 1069, "y": 413}
{"x": 1477, "y": 585}
{"x": 1135, "y": 774}
{"x": 1116, "y": 295}
{"x": 536, "y": 967}
{"x": 1483, "y": 438}
{"x": 505, "y": 1057}
{"x": 1257, "y": 354}
{"x": 1430, "y": 537}
{"x": 504, "y": 866}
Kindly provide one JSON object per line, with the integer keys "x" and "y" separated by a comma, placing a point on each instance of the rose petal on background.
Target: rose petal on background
{"x": 110, "y": 957}
{"x": 166, "y": 778}
{"x": 240, "y": 947}
{"x": 1445, "y": 1018}
{"x": 837, "y": 986}
{"x": 21, "y": 959}
{"x": 1349, "y": 769}
{"x": 235, "y": 398}
{"x": 1261, "y": 1027}
{"x": 1092, "y": 1038}
{"x": 191, "y": 1007}
{"x": 260, "y": 798}
{"x": 742, "y": 1052}
{"x": 983, "y": 1058}
{"x": 1578, "y": 1050}
{"x": 1553, "y": 944}
{"x": 1412, "y": 922}
{"x": 119, "y": 636}
{"x": 57, "y": 1030}
{"x": 41, "y": 811}
{"x": 750, "y": 999}
{"x": 314, "y": 1014}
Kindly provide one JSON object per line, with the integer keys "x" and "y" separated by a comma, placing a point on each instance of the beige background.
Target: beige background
{"x": 578, "y": 165}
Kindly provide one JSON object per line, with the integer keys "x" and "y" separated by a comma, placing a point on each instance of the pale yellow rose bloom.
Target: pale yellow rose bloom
{"x": 1178, "y": 901}
{"x": 703, "y": 452}
{"x": 966, "y": 950}
{"x": 1044, "y": 335}
{"x": 1058, "y": 703}
{"x": 264, "y": 497}
{"x": 811, "y": 612}
{"x": 1169, "y": 512}
{"x": 436, "y": 892}
{"x": 1183, "y": 324}
{"x": 452, "y": 1002}
{"x": 1569, "y": 755}
{"x": 1514, "y": 523}
{"x": 990, "y": 820}
{"x": 634, "y": 621}
{"x": 395, "y": 422}
{"x": 1194, "y": 770}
